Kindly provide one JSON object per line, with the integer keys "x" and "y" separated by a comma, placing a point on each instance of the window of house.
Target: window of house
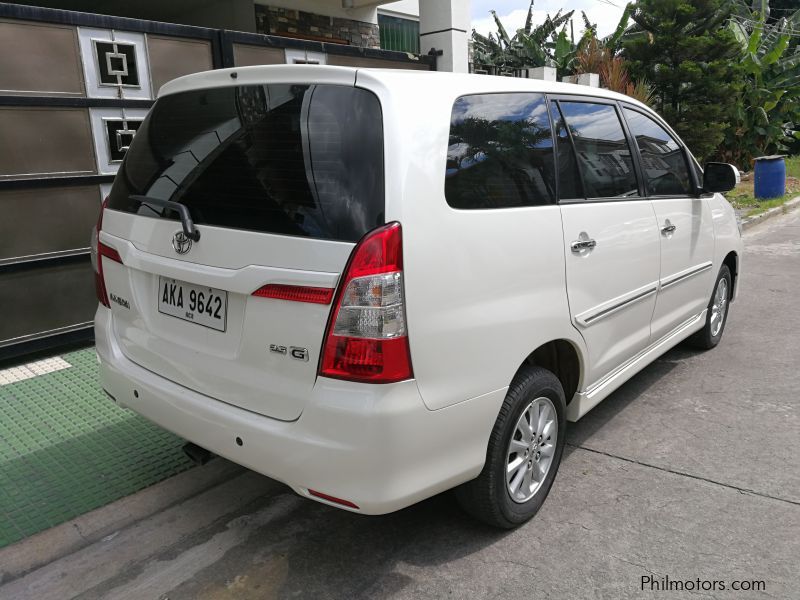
{"x": 398, "y": 34}
{"x": 663, "y": 160}
{"x": 500, "y": 153}
{"x": 603, "y": 152}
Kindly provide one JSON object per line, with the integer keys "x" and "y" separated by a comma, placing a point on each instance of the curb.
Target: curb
{"x": 749, "y": 222}
{"x": 51, "y": 544}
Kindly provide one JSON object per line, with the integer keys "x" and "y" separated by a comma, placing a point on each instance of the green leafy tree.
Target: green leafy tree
{"x": 691, "y": 60}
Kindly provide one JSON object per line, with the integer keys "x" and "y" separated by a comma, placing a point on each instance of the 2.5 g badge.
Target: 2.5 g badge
{"x": 294, "y": 352}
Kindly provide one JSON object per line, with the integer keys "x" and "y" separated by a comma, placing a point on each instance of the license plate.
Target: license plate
{"x": 194, "y": 303}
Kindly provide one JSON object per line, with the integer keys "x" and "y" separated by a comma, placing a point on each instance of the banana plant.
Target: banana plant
{"x": 614, "y": 41}
{"x": 768, "y": 113}
{"x": 530, "y": 46}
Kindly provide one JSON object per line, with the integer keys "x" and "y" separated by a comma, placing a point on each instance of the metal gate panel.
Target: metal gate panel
{"x": 46, "y": 297}
{"x": 244, "y": 49}
{"x": 43, "y": 141}
{"x": 172, "y": 57}
{"x": 245, "y": 55}
{"x": 28, "y": 230}
{"x": 359, "y": 61}
{"x": 39, "y": 58}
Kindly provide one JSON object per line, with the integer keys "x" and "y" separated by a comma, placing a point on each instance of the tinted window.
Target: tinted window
{"x": 663, "y": 160}
{"x": 299, "y": 160}
{"x": 603, "y": 152}
{"x": 569, "y": 181}
{"x": 500, "y": 153}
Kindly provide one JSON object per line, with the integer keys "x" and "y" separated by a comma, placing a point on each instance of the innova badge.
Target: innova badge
{"x": 181, "y": 243}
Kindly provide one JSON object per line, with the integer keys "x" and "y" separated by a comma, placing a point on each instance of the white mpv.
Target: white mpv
{"x": 377, "y": 285}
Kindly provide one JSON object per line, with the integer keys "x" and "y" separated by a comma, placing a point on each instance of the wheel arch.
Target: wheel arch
{"x": 564, "y": 359}
{"x": 732, "y": 261}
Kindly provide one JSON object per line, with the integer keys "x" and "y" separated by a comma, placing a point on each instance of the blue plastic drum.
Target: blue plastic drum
{"x": 770, "y": 177}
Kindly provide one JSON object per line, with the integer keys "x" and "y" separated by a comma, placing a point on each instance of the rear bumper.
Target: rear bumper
{"x": 377, "y": 446}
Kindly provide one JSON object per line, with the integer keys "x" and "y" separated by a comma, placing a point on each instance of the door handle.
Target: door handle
{"x": 668, "y": 228}
{"x": 580, "y": 245}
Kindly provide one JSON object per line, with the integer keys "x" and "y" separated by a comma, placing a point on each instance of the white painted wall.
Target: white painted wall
{"x": 406, "y": 9}
{"x": 443, "y": 24}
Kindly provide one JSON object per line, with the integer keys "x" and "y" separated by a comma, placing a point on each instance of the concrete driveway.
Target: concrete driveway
{"x": 690, "y": 472}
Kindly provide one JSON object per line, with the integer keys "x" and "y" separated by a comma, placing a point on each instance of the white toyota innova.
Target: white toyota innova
{"x": 377, "y": 285}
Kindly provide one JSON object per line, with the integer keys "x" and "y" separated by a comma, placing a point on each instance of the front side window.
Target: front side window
{"x": 500, "y": 153}
{"x": 603, "y": 152}
{"x": 663, "y": 161}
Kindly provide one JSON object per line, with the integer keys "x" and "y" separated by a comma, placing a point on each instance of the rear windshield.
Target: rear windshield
{"x": 300, "y": 160}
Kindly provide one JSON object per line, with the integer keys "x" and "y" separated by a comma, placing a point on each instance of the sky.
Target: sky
{"x": 605, "y": 13}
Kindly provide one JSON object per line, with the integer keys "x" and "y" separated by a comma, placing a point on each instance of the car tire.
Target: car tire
{"x": 711, "y": 333}
{"x": 489, "y": 497}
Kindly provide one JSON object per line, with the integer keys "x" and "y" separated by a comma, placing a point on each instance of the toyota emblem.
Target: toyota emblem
{"x": 181, "y": 243}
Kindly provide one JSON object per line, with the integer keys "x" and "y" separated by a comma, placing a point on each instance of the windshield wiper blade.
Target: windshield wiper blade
{"x": 189, "y": 230}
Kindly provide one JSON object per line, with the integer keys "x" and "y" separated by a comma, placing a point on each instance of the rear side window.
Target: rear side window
{"x": 299, "y": 160}
{"x": 500, "y": 153}
{"x": 663, "y": 160}
{"x": 603, "y": 152}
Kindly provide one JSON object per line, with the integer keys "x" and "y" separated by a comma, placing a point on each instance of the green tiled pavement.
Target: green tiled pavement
{"x": 66, "y": 449}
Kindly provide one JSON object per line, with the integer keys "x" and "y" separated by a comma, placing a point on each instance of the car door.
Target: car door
{"x": 684, "y": 220}
{"x": 610, "y": 233}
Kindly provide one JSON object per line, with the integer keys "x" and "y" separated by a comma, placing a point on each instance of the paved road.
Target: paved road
{"x": 691, "y": 470}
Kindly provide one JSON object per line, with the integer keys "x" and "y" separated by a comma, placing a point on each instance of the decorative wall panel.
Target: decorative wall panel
{"x": 39, "y": 59}
{"x": 113, "y": 130}
{"x": 115, "y": 64}
{"x": 44, "y": 141}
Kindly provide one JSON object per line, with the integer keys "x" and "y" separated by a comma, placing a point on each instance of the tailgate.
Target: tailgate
{"x": 281, "y": 181}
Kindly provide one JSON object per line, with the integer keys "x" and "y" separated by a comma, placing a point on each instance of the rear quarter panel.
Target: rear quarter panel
{"x": 484, "y": 288}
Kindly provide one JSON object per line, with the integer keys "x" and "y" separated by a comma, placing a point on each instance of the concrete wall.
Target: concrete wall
{"x": 276, "y": 20}
{"x": 327, "y": 8}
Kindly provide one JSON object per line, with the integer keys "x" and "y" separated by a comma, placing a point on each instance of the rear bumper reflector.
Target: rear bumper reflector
{"x": 333, "y": 499}
{"x": 295, "y": 293}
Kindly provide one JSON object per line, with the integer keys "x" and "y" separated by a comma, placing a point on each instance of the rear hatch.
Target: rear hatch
{"x": 280, "y": 180}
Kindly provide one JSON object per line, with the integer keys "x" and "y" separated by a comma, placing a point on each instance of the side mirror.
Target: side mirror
{"x": 720, "y": 177}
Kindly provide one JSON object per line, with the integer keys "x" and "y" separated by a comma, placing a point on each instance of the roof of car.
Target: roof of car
{"x": 459, "y": 83}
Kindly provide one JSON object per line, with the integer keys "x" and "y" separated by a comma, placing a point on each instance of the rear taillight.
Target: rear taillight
{"x": 99, "y": 250}
{"x": 367, "y": 339}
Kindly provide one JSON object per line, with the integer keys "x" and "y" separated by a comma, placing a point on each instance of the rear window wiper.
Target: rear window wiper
{"x": 189, "y": 230}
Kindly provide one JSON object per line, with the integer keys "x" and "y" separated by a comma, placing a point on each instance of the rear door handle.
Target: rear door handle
{"x": 580, "y": 245}
{"x": 668, "y": 228}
